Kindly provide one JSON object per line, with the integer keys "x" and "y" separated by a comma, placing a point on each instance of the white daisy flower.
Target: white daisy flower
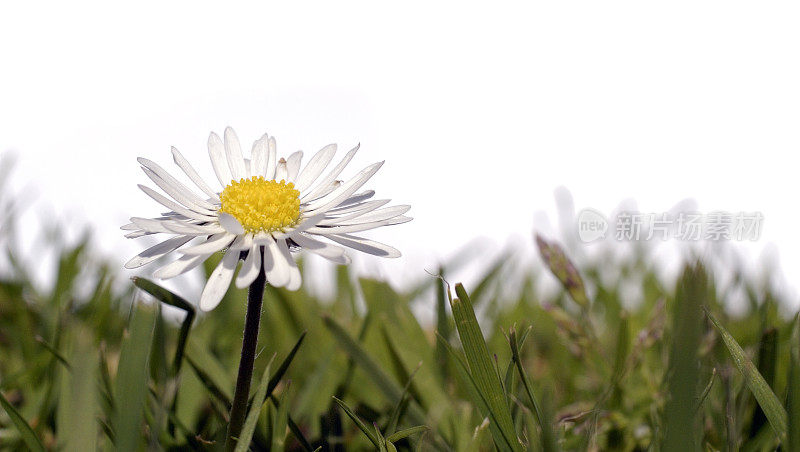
{"x": 266, "y": 209}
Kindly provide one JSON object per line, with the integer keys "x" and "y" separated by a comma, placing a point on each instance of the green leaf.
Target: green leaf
{"x": 766, "y": 399}
{"x": 359, "y": 423}
{"x": 28, "y": 436}
{"x": 549, "y": 443}
{"x": 482, "y": 369}
{"x": 389, "y": 387}
{"x": 397, "y": 436}
{"x": 793, "y": 402}
{"x": 130, "y": 391}
{"x": 165, "y": 296}
{"x": 243, "y": 442}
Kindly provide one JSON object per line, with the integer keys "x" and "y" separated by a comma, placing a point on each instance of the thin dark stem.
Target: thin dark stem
{"x": 255, "y": 296}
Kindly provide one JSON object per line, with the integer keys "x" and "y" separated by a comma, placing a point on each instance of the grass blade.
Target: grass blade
{"x": 684, "y": 373}
{"x": 243, "y": 442}
{"x": 548, "y": 435}
{"x": 793, "y": 402}
{"x": 481, "y": 366}
{"x": 130, "y": 391}
{"x": 167, "y": 297}
{"x": 397, "y": 436}
{"x": 359, "y": 423}
{"x": 766, "y": 399}
{"x": 25, "y": 430}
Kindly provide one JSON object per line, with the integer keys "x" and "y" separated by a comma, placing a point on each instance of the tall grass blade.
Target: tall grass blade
{"x": 25, "y": 430}
{"x": 359, "y": 423}
{"x": 548, "y": 437}
{"x": 767, "y": 400}
{"x": 130, "y": 392}
{"x": 243, "y": 442}
{"x": 683, "y": 376}
{"x": 481, "y": 366}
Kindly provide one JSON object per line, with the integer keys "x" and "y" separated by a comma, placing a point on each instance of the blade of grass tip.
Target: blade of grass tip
{"x": 397, "y": 436}
{"x": 165, "y": 296}
{"x": 131, "y": 384}
{"x": 684, "y": 375}
{"x": 442, "y": 324}
{"x": 707, "y": 389}
{"x": 549, "y": 443}
{"x": 243, "y": 442}
{"x": 359, "y": 423}
{"x": 502, "y": 442}
{"x": 767, "y": 400}
{"x": 480, "y": 364}
{"x": 793, "y": 402}
{"x": 52, "y": 351}
{"x": 285, "y": 364}
{"x": 508, "y": 379}
{"x": 25, "y": 430}
{"x": 273, "y": 382}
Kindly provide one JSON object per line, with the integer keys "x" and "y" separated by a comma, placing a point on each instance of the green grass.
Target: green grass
{"x": 494, "y": 369}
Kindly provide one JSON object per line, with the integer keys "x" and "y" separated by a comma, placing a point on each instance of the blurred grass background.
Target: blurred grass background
{"x": 90, "y": 362}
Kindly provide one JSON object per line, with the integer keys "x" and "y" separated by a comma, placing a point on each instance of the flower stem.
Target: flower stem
{"x": 255, "y": 296}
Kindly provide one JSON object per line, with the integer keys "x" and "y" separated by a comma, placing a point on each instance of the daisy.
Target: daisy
{"x": 264, "y": 210}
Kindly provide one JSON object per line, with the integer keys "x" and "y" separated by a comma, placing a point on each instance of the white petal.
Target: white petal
{"x": 177, "y": 208}
{"x": 149, "y": 225}
{"x": 315, "y": 167}
{"x": 294, "y": 273}
{"x": 233, "y": 152}
{"x": 377, "y": 215}
{"x": 129, "y": 227}
{"x": 364, "y": 245}
{"x": 293, "y": 165}
{"x": 272, "y": 155}
{"x": 186, "y": 228}
{"x": 249, "y": 271}
{"x": 281, "y": 173}
{"x": 357, "y": 227}
{"x": 330, "y": 177}
{"x": 243, "y": 242}
{"x": 360, "y": 207}
{"x": 216, "y": 151}
{"x": 182, "y": 195}
{"x": 180, "y": 266}
{"x": 190, "y": 172}
{"x": 175, "y": 183}
{"x": 326, "y": 250}
{"x": 335, "y": 198}
{"x": 230, "y": 223}
{"x": 258, "y": 161}
{"x": 214, "y": 243}
{"x": 276, "y": 266}
{"x": 219, "y": 281}
{"x": 157, "y": 251}
{"x": 337, "y": 216}
{"x": 357, "y": 198}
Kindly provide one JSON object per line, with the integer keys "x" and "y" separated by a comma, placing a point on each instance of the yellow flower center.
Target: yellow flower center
{"x": 262, "y": 205}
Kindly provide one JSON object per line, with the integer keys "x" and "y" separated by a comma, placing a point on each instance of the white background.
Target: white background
{"x": 480, "y": 111}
